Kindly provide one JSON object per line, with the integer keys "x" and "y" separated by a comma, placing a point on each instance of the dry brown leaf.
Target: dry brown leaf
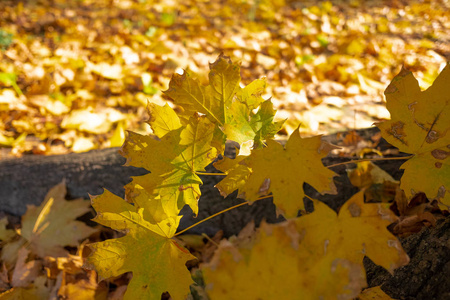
{"x": 25, "y": 272}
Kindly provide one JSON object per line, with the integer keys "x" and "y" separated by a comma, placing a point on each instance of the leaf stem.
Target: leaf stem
{"x": 369, "y": 159}
{"x": 219, "y": 213}
{"x": 210, "y": 217}
{"x": 211, "y": 174}
{"x": 309, "y": 198}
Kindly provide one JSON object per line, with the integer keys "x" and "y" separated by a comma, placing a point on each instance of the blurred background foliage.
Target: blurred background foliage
{"x": 75, "y": 74}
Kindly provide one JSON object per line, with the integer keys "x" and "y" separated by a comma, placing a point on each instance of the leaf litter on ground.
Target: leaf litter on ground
{"x": 327, "y": 63}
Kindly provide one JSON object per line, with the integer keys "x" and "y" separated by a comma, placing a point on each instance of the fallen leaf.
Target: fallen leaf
{"x": 37, "y": 291}
{"x": 315, "y": 256}
{"x": 367, "y": 173}
{"x": 266, "y": 270}
{"x": 50, "y": 227}
{"x": 25, "y": 272}
{"x": 419, "y": 125}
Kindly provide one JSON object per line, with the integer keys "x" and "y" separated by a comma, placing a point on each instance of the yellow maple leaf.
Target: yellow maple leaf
{"x": 266, "y": 269}
{"x": 420, "y": 125}
{"x": 317, "y": 256}
{"x": 51, "y": 226}
{"x": 211, "y": 100}
{"x": 330, "y": 241}
{"x": 147, "y": 250}
{"x": 281, "y": 171}
{"x": 163, "y": 119}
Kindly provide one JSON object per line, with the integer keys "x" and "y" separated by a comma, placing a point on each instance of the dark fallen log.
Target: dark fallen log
{"x": 427, "y": 276}
{"x": 26, "y": 180}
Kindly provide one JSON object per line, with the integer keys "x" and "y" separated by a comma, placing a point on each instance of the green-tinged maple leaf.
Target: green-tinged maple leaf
{"x": 211, "y": 100}
{"x": 173, "y": 162}
{"x": 155, "y": 210}
{"x": 420, "y": 125}
{"x": 226, "y": 104}
{"x": 317, "y": 256}
{"x": 237, "y": 174}
{"x": 144, "y": 151}
{"x": 263, "y": 123}
{"x": 282, "y": 171}
{"x": 147, "y": 250}
{"x": 48, "y": 228}
{"x": 251, "y": 94}
{"x": 246, "y": 126}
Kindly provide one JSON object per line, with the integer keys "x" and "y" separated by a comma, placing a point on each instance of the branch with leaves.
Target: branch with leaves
{"x": 316, "y": 255}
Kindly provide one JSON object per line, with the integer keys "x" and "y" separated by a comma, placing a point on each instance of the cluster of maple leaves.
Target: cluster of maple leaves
{"x": 316, "y": 255}
{"x": 75, "y": 74}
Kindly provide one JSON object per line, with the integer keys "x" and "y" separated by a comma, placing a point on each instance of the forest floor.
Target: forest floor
{"x": 74, "y": 75}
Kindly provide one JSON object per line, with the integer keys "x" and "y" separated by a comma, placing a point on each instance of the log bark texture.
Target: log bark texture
{"x": 427, "y": 276}
{"x": 26, "y": 180}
